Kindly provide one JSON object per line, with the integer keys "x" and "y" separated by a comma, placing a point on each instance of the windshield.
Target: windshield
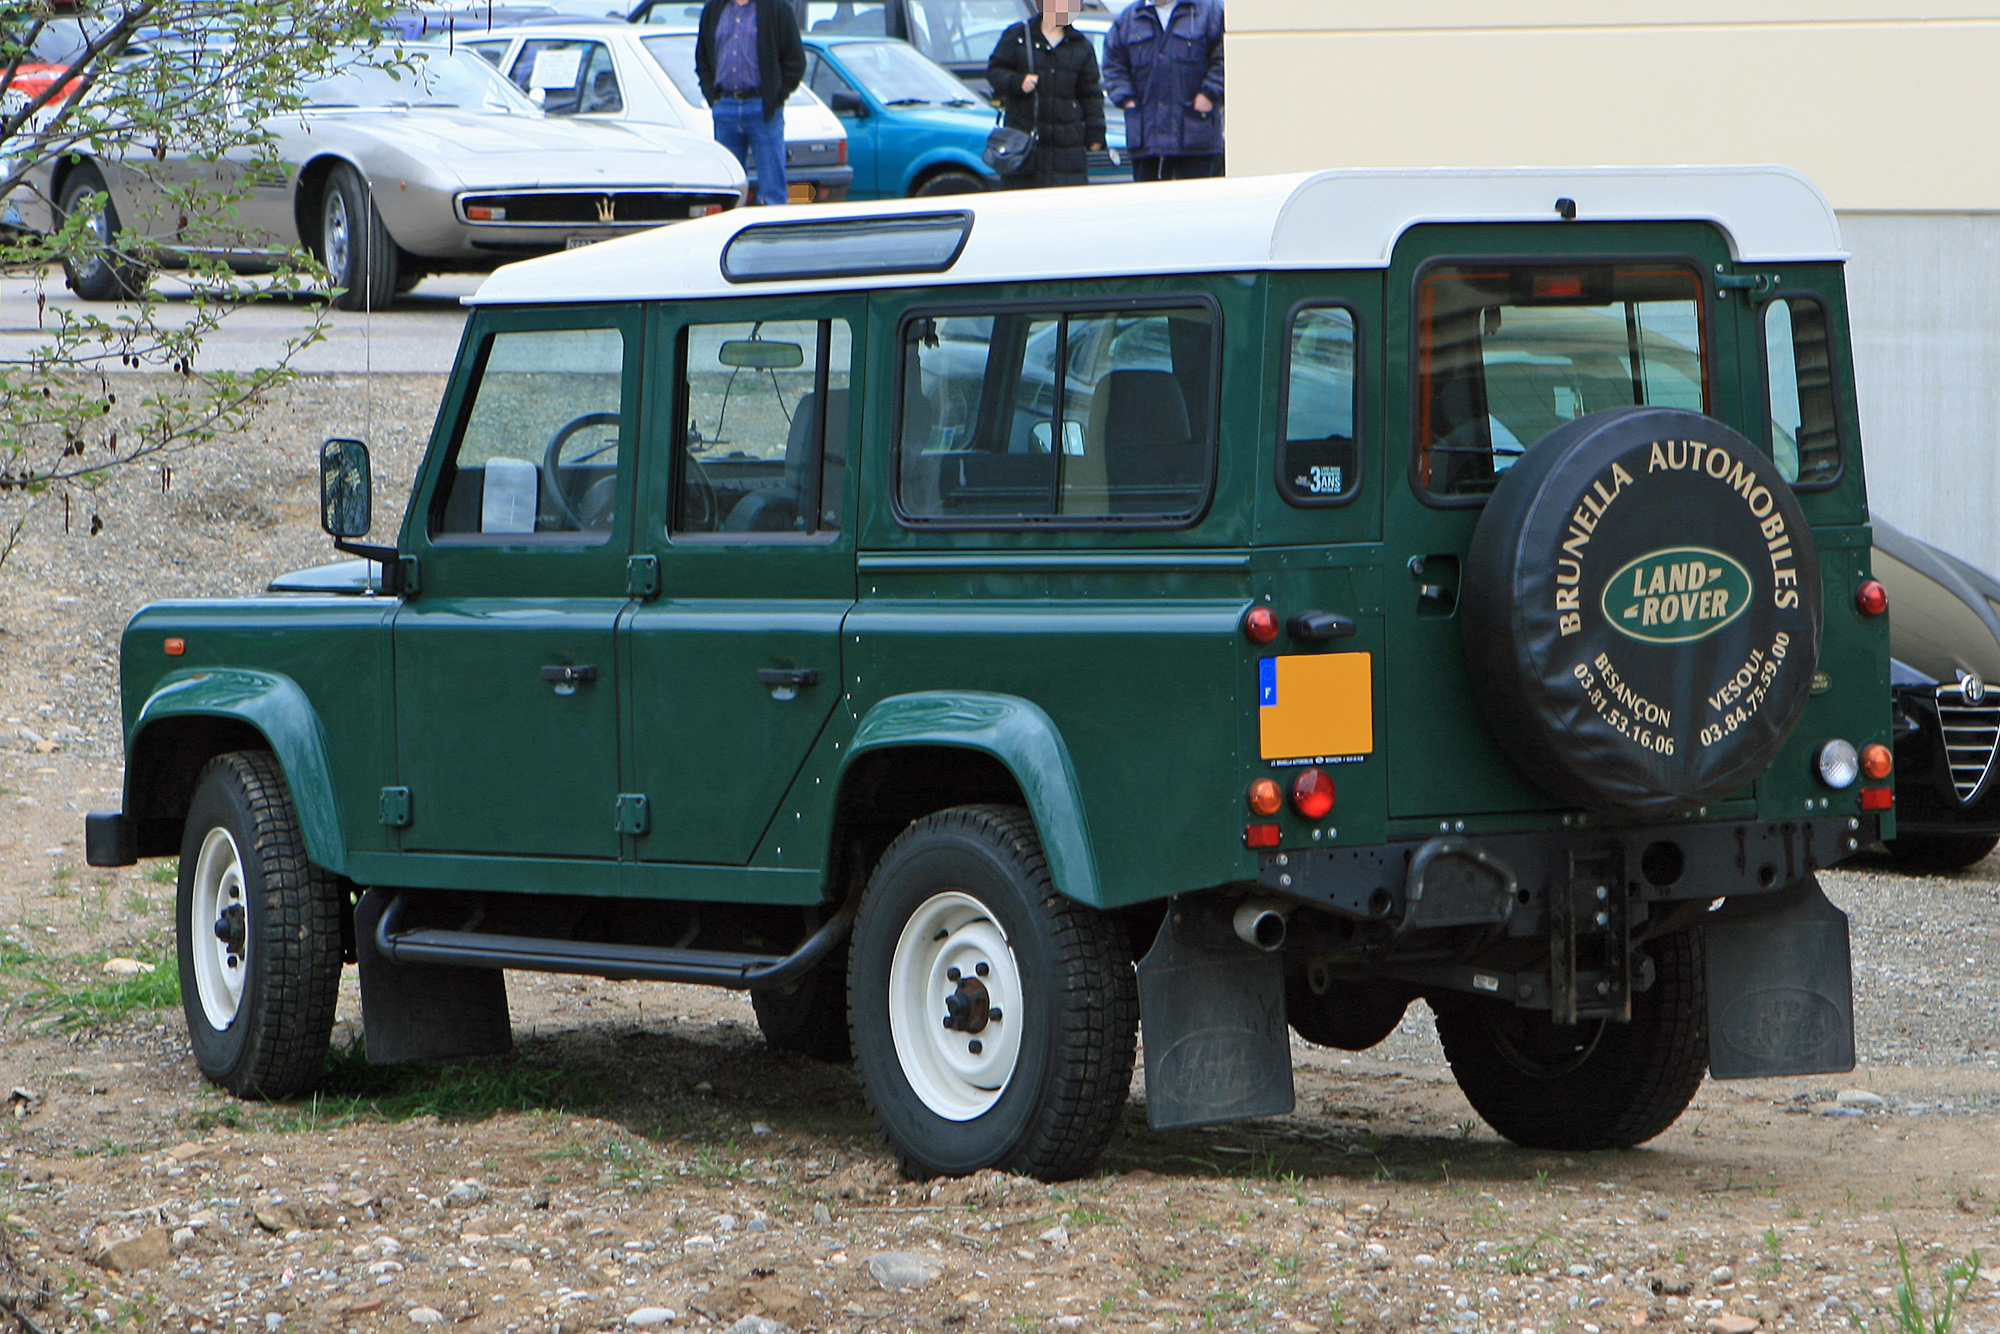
{"x": 675, "y": 55}
{"x": 899, "y": 75}
{"x": 421, "y": 79}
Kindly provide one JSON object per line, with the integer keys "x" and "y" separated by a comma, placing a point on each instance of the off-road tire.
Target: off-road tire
{"x": 1935, "y": 853}
{"x": 1622, "y": 1085}
{"x": 1079, "y": 1017}
{"x": 104, "y": 276}
{"x": 949, "y": 182}
{"x": 276, "y": 1044}
{"x": 361, "y": 257}
{"x": 809, "y": 1016}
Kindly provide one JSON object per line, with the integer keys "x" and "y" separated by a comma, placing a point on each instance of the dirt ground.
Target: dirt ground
{"x": 642, "y": 1153}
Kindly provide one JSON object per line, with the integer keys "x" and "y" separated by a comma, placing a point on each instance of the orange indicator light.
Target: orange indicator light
{"x": 175, "y": 647}
{"x": 1266, "y": 796}
{"x": 1876, "y": 761}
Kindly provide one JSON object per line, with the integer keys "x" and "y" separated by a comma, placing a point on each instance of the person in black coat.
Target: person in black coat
{"x": 1046, "y": 73}
{"x": 748, "y": 59}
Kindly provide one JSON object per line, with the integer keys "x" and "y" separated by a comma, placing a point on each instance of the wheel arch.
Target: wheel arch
{"x": 919, "y": 753}
{"x": 189, "y": 721}
{"x": 310, "y": 193}
{"x": 943, "y": 160}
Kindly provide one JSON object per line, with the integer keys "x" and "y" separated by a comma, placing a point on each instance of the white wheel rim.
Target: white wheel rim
{"x": 953, "y": 933}
{"x": 218, "y": 965}
{"x": 336, "y": 234}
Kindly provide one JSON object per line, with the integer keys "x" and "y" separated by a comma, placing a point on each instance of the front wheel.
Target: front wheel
{"x": 101, "y": 273}
{"x": 949, "y": 182}
{"x": 359, "y": 254}
{"x": 259, "y": 933}
{"x": 1931, "y": 854}
{"x": 1592, "y": 1085}
{"x": 993, "y": 1021}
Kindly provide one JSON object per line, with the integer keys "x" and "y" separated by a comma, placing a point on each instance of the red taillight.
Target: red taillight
{"x": 1871, "y": 599}
{"x": 1876, "y": 761}
{"x": 843, "y": 152}
{"x": 175, "y": 647}
{"x": 1260, "y": 625}
{"x": 1260, "y": 836}
{"x": 1558, "y": 285}
{"x": 1312, "y": 793}
{"x": 1878, "y": 798}
{"x": 1265, "y": 797}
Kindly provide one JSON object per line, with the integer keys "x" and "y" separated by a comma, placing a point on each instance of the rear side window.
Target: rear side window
{"x": 537, "y": 457}
{"x": 1317, "y": 457}
{"x": 1050, "y": 416}
{"x": 1798, "y": 366}
{"x": 1507, "y": 353}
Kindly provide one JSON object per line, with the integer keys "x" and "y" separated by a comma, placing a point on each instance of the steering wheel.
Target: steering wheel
{"x": 700, "y": 511}
{"x": 552, "y": 480}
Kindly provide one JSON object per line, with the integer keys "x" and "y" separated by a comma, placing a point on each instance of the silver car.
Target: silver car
{"x": 435, "y": 165}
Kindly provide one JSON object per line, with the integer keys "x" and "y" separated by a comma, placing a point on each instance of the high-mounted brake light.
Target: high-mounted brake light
{"x": 1260, "y": 836}
{"x": 1871, "y": 599}
{"x": 1260, "y": 625}
{"x": 1265, "y": 796}
{"x": 1312, "y": 793}
{"x": 1548, "y": 285}
{"x": 1876, "y": 761}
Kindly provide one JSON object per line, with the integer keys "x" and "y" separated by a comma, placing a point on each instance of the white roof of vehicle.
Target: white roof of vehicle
{"x": 1322, "y": 220}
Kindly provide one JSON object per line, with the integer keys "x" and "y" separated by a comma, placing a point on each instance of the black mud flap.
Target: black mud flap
{"x": 1212, "y": 1016}
{"x": 425, "y": 1012}
{"x": 1780, "y": 986}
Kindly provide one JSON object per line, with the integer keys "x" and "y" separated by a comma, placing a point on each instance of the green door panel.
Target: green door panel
{"x": 714, "y": 748}
{"x": 280, "y": 711}
{"x": 1022, "y": 737}
{"x": 1443, "y": 762}
{"x": 1146, "y": 696}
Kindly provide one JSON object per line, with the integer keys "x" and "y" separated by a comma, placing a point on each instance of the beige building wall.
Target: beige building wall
{"x": 1891, "y": 108}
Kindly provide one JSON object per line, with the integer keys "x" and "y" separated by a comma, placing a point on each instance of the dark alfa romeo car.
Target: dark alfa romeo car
{"x": 1944, "y": 636}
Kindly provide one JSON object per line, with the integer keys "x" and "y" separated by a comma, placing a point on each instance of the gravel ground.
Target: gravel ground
{"x": 642, "y": 1152}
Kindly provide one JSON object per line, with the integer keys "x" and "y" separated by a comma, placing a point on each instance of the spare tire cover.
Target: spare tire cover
{"x": 1642, "y": 613}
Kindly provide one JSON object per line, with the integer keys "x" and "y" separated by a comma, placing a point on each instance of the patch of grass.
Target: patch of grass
{"x": 96, "y": 999}
{"x": 353, "y": 1090}
{"x": 1085, "y": 1216}
{"x": 166, "y": 871}
{"x": 1774, "y": 1252}
{"x": 1909, "y": 1315}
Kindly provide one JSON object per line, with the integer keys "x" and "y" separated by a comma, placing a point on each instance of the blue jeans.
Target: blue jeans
{"x": 741, "y": 127}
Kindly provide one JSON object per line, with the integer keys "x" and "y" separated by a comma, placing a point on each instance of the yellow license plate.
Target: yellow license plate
{"x": 799, "y": 194}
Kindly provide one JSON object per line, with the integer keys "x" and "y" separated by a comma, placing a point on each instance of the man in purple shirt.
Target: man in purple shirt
{"x": 749, "y": 59}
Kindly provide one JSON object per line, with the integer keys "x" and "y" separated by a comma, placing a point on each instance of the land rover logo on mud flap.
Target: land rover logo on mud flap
{"x": 1676, "y": 595}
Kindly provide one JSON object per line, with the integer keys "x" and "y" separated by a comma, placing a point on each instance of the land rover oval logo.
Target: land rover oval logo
{"x": 1676, "y": 595}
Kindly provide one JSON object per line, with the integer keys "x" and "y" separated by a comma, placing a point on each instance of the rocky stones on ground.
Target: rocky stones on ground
{"x": 757, "y": 1324}
{"x": 1861, "y": 1098}
{"x": 120, "y": 966}
{"x": 903, "y": 1269}
{"x": 1734, "y": 1324}
{"x": 465, "y": 1194}
{"x": 426, "y": 1315}
{"x": 128, "y": 1252}
{"x": 647, "y": 1317}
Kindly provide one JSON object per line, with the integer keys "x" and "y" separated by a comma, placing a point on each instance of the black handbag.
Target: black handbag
{"x": 1009, "y": 151}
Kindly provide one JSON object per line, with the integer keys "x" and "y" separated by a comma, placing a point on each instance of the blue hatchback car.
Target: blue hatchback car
{"x": 912, "y": 127}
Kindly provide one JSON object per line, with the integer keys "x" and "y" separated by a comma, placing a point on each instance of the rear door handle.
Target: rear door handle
{"x": 567, "y": 679}
{"x": 786, "y": 682}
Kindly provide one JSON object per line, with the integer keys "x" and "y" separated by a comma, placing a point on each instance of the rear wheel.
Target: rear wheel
{"x": 1940, "y": 852}
{"x": 949, "y": 182}
{"x": 1593, "y": 1085}
{"x": 993, "y": 1021}
{"x": 258, "y": 931}
{"x": 359, "y": 254}
{"x": 99, "y": 274}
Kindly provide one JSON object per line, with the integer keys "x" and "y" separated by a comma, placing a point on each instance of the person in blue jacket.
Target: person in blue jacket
{"x": 1163, "y": 66}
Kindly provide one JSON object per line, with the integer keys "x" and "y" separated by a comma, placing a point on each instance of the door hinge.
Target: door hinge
{"x": 642, "y": 577}
{"x": 396, "y": 807}
{"x": 634, "y": 814}
{"x": 1754, "y": 284}
{"x": 406, "y": 576}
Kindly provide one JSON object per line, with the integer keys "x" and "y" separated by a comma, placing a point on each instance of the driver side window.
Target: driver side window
{"x": 537, "y": 452}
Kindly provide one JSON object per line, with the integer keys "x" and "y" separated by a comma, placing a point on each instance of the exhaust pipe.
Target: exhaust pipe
{"x": 1261, "y": 922}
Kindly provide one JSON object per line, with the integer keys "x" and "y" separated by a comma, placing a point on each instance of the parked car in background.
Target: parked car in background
{"x": 463, "y": 173}
{"x": 1944, "y": 644}
{"x": 957, "y": 34}
{"x": 620, "y": 73}
{"x": 913, "y": 128}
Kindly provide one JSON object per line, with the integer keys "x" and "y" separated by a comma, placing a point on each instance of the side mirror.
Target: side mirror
{"x": 346, "y": 496}
{"x": 848, "y": 104}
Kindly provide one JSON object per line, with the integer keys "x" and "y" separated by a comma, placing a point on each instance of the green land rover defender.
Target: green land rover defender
{"x": 985, "y": 632}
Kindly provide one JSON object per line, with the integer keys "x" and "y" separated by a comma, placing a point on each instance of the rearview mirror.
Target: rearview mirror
{"x": 760, "y": 354}
{"x": 346, "y": 496}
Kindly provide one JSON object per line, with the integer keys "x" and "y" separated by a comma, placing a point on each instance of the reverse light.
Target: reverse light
{"x": 1876, "y": 761}
{"x": 1260, "y": 836}
{"x": 175, "y": 647}
{"x": 1838, "y": 765}
{"x": 1878, "y": 798}
{"x": 1312, "y": 793}
{"x": 703, "y": 210}
{"x": 1260, "y": 625}
{"x": 1265, "y": 796}
{"x": 485, "y": 213}
{"x": 1871, "y": 599}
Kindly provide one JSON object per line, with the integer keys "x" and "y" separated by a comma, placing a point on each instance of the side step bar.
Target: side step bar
{"x": 620, "y": 963}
